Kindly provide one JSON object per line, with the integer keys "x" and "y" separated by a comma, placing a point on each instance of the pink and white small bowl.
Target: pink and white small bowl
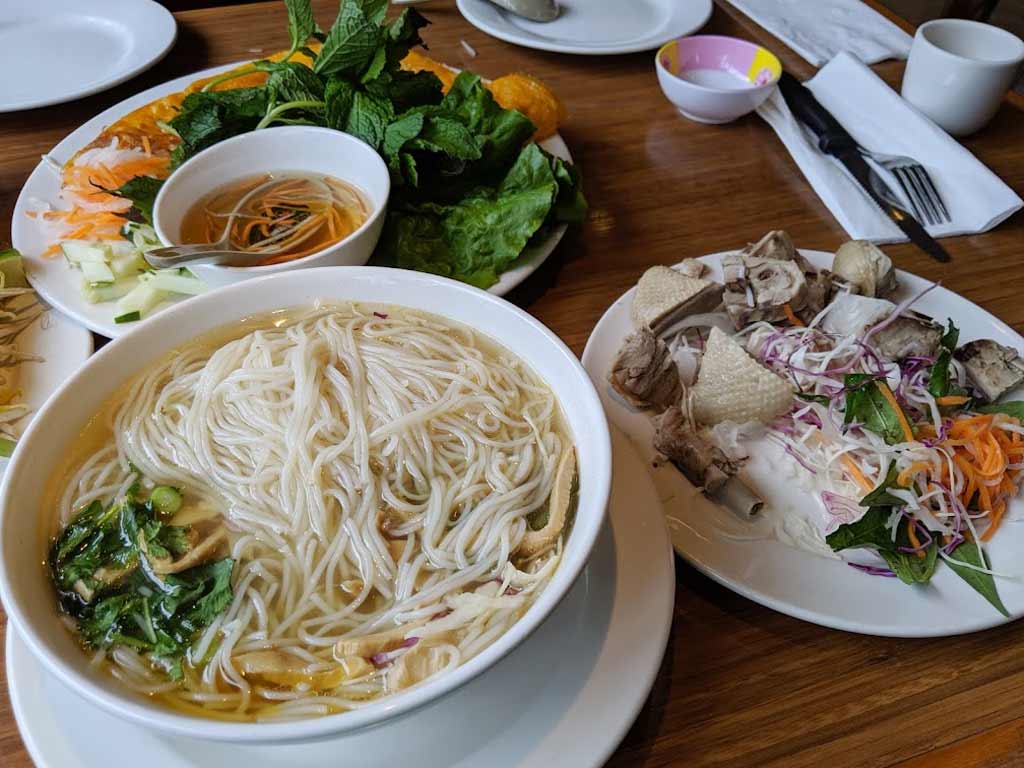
{"x": 716, "y": 79}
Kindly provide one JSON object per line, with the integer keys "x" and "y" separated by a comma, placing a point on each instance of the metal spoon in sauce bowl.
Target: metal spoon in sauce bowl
{"x": 220, "y": 252}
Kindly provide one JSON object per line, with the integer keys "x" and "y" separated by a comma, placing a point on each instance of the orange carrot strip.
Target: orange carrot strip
{"x": 856, "y": 475}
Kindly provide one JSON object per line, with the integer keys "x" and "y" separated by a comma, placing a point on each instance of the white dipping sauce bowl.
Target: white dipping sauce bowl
{"x": 958, "y": 72}
{"x": 298, "y": 148}
{"x": 25, "y": 586}
{"x": 714, "y": 78}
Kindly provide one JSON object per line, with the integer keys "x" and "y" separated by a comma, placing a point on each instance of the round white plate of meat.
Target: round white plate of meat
{"x": 749, "y": 556}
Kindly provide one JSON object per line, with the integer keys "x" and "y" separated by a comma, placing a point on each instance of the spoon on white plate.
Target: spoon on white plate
{"x": 534, "y": 10}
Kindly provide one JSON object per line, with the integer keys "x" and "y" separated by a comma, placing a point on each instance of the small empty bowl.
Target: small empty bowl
{"x": 716, "y": 79}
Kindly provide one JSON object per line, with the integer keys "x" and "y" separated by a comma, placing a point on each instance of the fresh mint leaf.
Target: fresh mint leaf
{"x": 866, "y": 404}
{"x": 408, "y": 90}
{"x": 338, "y": 97}
{"x": 291, "y": 81}
{"x": 352, "y": 40}
{"x": 400, "y": 132}
{"x": 301, "y": 23}
{"x": 983, "y": 583}
{"x": 403, "y": 34}
{"x": 368, "y": 119}
{"x": 207, "y": 117}
{"x": 449, "y": 137}
{"x": 376, "y": 66}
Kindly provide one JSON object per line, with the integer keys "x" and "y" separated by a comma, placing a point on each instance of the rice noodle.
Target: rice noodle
{"x": 306, "y": 436}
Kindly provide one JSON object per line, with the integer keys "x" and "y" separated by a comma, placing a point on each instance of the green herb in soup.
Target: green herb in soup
{"x": 131, "y": 577}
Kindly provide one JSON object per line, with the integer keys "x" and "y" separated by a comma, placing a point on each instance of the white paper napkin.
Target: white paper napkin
{"x": 819, "y": 29}
{"x": 881, "y": 121}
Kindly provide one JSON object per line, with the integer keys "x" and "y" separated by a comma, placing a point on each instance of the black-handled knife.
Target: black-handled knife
{"x": 834, "y": 140}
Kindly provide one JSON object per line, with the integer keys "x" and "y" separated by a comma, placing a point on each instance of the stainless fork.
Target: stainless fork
{"x": 916, "y": 184}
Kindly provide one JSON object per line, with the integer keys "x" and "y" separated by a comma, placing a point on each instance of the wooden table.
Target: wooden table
{"x": 740, "y": 685}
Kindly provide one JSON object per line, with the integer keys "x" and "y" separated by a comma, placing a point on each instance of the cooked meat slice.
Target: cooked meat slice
{"x": 664, "y": 296}
{"x": 691, "y": 268}
{"x": 378, "y": 642}
{"x": 702, "y": 462}
{"x": 732, "y": 386}
{"x": 644, "y": 372}
{"x": 865, "y": 268}
{"x": 992, "y": 368}
{"x": 853, "y": 315}
{"x": 419, "y": 662}
{"x": 284, "y": 669}
{"x": 776, "y": 245}
{"x": 910, "y": 335}
{"x": 819, "y": 290}
{"x": 559, "y": 507}
{"x": 758, "y": 289}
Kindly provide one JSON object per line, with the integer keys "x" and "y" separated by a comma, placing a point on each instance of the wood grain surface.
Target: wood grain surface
{"x": 740, "y": 685}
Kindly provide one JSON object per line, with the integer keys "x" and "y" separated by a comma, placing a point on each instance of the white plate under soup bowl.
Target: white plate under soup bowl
{"x": 297, "y": 148}
{"x": 25, "y": 586}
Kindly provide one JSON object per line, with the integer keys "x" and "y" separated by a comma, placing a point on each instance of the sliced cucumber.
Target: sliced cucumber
{"x": 78, "y": 252}
{"x": 97, "y": 294}
{"x": 128, "y": 264}
{"x": 143, "y": 236}
{"x": 97, "y": 273}
{"x": 128, "y": 317}
{"x": 142, "y": 298}
{"x": 175, "y": 281}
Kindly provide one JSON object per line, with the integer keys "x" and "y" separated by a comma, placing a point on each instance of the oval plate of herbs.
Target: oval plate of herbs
{"x": 473, "y": 197}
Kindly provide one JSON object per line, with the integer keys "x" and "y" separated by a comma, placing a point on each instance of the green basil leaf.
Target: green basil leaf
{"x": 866, "y": 403}
{"x": 983, "y": 583}
{"x": 1013, "y": 408}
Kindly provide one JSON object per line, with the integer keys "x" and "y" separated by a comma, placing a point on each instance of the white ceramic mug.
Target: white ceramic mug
{"x": 959, "y": 71}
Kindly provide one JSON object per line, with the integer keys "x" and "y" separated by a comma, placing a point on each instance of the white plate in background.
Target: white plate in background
{"x": 52, "y": 51}
{"x": 64, "y": 346}
{"x": 818, "y": 589}
{"x": 59, "y": 284}
{"x": 593, "y": 27}
{"x": 565, "y": 697}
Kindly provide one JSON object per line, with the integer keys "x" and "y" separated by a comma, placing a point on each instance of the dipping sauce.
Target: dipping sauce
{"x": 286, "y": 215}
{"x": 717, "y": 78}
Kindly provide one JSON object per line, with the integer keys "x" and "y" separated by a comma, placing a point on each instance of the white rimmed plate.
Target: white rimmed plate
{"x": 810, "y": 587}
{"x": 59, "y": 284}
{"x": 593, "y": 27}
{"x": 66, "y": 49}
{"x": 563, "y": 698}
{"x": 63, "y": 346}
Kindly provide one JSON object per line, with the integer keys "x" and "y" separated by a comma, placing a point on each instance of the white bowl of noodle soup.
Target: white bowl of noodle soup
{"x": 25, "y": 583}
